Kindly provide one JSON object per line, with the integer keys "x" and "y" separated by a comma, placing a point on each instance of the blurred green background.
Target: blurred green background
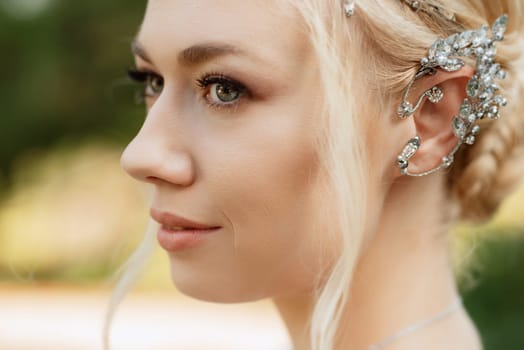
{"x": 69, "y": 215}
{"x": 67, "y": 111}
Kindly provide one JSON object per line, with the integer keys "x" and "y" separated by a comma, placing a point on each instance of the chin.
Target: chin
{"x": 217, "y": 289}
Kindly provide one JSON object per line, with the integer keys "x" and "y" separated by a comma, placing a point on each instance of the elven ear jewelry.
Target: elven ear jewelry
{"x": 482, "y": 101}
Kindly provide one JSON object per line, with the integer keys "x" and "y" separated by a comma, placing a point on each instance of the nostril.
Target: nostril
{"x": 152, "y": 179}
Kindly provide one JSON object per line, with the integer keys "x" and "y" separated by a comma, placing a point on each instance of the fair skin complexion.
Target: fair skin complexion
{"x": 251, "y": 167}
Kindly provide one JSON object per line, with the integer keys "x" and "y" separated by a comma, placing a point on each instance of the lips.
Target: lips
{"x": 178, "y": 233}
{"x": 174, "y": 222}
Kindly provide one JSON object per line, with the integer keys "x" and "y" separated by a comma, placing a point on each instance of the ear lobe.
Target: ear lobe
{"x": 433, "y": 121}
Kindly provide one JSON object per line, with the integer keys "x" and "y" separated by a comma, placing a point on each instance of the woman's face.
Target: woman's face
{"x": 229, "y": 140}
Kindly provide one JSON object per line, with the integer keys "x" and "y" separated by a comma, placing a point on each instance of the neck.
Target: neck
{"x": 404, "y": 276}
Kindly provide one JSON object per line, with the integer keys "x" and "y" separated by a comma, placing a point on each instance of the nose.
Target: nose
{"x": 156, "y": 155}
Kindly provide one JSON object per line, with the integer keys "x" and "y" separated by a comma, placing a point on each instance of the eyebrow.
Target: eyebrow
{"x": 193, "y": 55}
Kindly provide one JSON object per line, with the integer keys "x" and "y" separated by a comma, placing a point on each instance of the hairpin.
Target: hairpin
{"x": 482, "y": 99}
{"x": 430, "y": 7}
{"x": 349, "y": 7}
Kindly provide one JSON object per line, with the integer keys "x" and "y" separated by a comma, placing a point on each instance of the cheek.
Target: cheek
{"x": 265, "y": 184}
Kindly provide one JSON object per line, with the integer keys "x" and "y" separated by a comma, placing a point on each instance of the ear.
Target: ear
{"x": 432, "y": 122}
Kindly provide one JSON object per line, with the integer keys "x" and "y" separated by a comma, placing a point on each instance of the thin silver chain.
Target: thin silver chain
{"x": 457, "y": 302}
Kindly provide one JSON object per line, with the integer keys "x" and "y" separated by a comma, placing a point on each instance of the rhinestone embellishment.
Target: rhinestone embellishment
{"x": 349, "y": 8}
{"x": 483, "y": 99}
{"x": 409, "y": 150}
{"x": 435, "y": 94}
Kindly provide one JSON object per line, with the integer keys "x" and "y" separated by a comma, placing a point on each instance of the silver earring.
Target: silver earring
{"x": 406, "y": 109}
{"x": 482, "y": 100}
{"x": 407, "y": 152}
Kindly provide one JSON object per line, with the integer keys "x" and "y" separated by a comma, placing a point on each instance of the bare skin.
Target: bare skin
{"x": 402, "y": 278}
{"x": 252, "y": 169}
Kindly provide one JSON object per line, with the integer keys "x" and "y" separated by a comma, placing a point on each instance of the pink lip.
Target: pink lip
{"x": 188, "y": 235}
{"x": 168, "y": 219}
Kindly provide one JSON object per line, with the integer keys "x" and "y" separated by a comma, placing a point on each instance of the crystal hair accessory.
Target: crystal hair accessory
{"x": 430, "y": 7}
{"x": 349, "y": 7}
{"x": 482, "y": 99}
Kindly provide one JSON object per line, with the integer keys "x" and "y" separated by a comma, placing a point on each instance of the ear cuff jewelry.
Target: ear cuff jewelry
{"x": 482, "y": 99}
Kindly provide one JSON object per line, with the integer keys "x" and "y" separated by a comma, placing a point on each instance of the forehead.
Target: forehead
{"x": 266, "y": 29}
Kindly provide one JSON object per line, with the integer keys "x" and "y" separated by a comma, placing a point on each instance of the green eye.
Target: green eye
{"x": 221, "y": 91}
{"x": 224, "y": 93}
{"x": 154, "y": 85}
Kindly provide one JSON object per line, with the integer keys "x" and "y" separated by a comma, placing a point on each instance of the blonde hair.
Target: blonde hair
{"x": 393, "y": 38}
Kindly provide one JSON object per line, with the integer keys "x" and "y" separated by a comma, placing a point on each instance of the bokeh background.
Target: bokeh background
{"x": 69, "y": 215}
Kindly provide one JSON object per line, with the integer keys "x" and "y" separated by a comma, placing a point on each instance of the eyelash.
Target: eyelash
{"x": 144, "y": 77}
{"x": 211, "y": 78}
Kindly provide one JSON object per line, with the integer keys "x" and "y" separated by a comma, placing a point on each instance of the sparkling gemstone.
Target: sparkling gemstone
{"x": 405, "y": 109}
{"x": 470, "y": 139}
{"x": 465, "y": 108}
{"x": 409, "y": 151}
{"x": 433, "y": 49}
{"x": 459, "y": 127}
{"x": 499, "y": 27}
{"x": 472, "y": 117}
{"x": 485, "y": 62}
{"x": 494, "y": 69}
{"x": 410, "y": 148}
{"x": 453, "y": 65}
{"x": 479, "y": 36}
{"x": 487, "y": 80}
{"x": 483, "y": 66}
{"x": 439, "y": 48}
{"x": 465, "y": 38}
{"x": 441, "y": 59}
{"x": 501, "y": 74}
{"x": 447, "y": 161}
{"x": 479, "y": 51}
{"x": 452, "y": 40}
{"x": 402, "y": 163}
{"x": 493, "y": 115}
{"x": 492, "y": 51}
{"x": 473, "y": 87}
{"x": 349, "y": 8}
{"x": 415, "y": 141}
{"x": 475, "y": 130}
{"x": 484, "y": 96}
{"x": 465, "y": 51}
{"x": 435, "y": 94}
{"x": 500, "y": 100}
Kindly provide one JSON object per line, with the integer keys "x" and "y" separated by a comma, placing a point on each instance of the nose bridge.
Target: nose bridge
{"x": 160, "y": 151}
